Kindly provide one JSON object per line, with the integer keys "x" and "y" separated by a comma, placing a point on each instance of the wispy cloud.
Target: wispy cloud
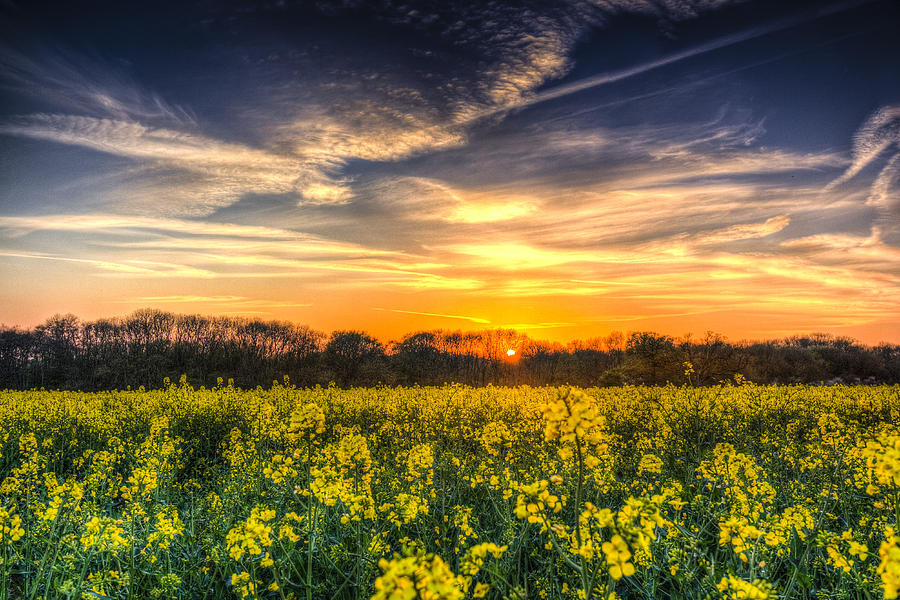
{"x": 238, "y": 303}
{"x": 585, "y": 243}
{"x": 437, "y": 315}
{"x": 131, "y": 268}
{"x": 885, "y": 191}
{"x": 530, "y": 326}
{"x": 745, "y": 231}
{"x": 427, "y": 199}
{"x": 222, "y": 172}
{"x": 73, "y": 81}
{"x": 186, "y": 299}
{"x": 877, "y": 134}
{"x": 681, "y": 11}
{"x": 186, "y": 234}
{"x": 880, "y": 134}
{"x": 154, "y": 248}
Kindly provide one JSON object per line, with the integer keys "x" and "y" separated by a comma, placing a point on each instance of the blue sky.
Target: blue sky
{"x": 565, "y": 168}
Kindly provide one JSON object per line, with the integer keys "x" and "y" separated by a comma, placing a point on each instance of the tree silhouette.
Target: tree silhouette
{"x": 349, "y": 353}
{"x": 144, "y": 348}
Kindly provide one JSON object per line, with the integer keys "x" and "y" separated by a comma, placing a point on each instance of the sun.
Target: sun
{"x": 510, "y": 352}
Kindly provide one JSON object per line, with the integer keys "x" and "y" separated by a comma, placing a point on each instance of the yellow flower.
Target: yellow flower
{"x": 889, "y": 567}
{"x": 168, "y": 526}
{"x": 307, "y": 423}
{"x": 534, "y": 499}
{"x": 243, "y": 585}
{"x": 10, "y": 527}
{"x": 475, "y": 556}
{"x": 883, "y": 460}
{"x": 252, "y": 535}
{"x": 617, "y": 558}
{"x": 858, "y": 550}
{"x": 738, "y": 589}
{"x": 103, "y": 534}
{"x": 650, "y": 463}
{"x": 738, "y": 533}
{"x": 417, "y": 577}
{"x": 573, "y": 418}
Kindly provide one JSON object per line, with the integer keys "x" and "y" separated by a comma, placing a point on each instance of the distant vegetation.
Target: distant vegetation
{"x": 147, "y": 346}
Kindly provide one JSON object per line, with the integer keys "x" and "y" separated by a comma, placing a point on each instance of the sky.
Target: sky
{"x": 565, "y": 168}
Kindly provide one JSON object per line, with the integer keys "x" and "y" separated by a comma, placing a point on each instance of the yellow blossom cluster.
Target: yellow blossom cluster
{"x": 889, "y": 567}
{"x": 793, "y": 521}
{"x": 420, "y": 464}
{"x": 244, "y": 585}
{"x": 734, "y": 588}
{"x": 740, "y": 535}
{"x": 496, "y": 438}
{"x": 286, "y": 528}
{"x": 307, "y": 424}
{"x": 475, "y": 556}
{"x": 617, "y": 557}
{"x": 10, "y": 527}
{"x": 251, "y": 536}
{"x": 739, "y": 479}
{"x": 66, "y": 496}
{"x": 103, "y": 534}
{"x": 534, "y": 499}
{"x": 573, "y": 420}
{"x": 156, "y": 460}
{"x": 280, "y": 468}
{"x": 425, "y": 577}
{"x": 168, "y": 527}
{"x": 882, "y": 457}
{"x": 405, "y": 509}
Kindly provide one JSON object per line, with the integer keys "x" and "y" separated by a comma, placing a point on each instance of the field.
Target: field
{"x": 734, "y": 491}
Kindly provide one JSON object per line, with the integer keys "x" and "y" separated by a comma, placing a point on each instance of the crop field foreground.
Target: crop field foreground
{"x": 734, "y": 491}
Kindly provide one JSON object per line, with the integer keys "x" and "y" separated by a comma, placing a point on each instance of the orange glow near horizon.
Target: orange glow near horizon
{"x": 549, "y": 291}
{"x": 541, "y": 318}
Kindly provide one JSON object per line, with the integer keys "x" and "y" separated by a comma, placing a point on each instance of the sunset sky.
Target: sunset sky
{"x": 566, "y": 168}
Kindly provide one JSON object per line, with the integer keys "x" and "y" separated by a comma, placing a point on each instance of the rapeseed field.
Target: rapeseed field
{"x": 733, "y": 491}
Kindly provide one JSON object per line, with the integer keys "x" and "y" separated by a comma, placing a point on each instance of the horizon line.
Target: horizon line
{"x": 250, "y": 317}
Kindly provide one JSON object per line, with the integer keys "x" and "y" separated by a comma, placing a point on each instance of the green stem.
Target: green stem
{"x": 4, "y": 589}
{"x": 84, "y": 568}
{"x": 39, "y": 578}
{"x": 309, "y": 549}
{"x": 821, "y": 514}
{"x": 585, "y": 582}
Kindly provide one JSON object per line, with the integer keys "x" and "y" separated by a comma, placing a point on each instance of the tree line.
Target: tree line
{"x": 148, "y": 346}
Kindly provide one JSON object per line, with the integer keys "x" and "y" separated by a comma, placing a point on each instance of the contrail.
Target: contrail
{"x": 428, "y": 314}
{"x": 694, "y": 83}
{"x": 729, "y": 40}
